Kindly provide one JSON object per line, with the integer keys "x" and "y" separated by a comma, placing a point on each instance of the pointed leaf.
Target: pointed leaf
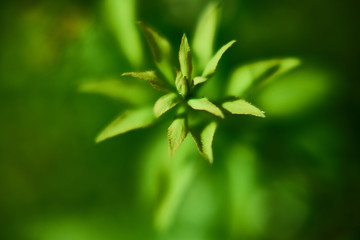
{"x": 165, "y": 103}
{"x": 244, "y": 77}
{"x": 161, "y": 50}
{"x": 199, "y": 80}
{"x": 242, "y": 107}
{"x": 212, "y": 65}
{"x": 176, "y": 134}
{"x": 185, "y": 58}
{"x": 204, "y": 37}
{"x": 127, "y": 121}
{"x": 181, "y": 84}
{"x": 152, "y": 78}
{"x": 119, "y": 89}
{"x": 203, "y": 138}
{"x": 205, "y": 105}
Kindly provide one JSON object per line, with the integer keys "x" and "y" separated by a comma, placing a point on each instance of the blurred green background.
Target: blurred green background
{"x": 293, "y": 175}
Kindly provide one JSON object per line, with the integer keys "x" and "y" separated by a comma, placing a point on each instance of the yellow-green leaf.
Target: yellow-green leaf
{"x": 176, "y": 134}
{"x": 212, "y": 65}
{"x": 204, "y": 138}
{"x": 205, "y": 105}
{"x": 242, "y": 107}
{"x": 127, "y": 121}
{"x": 199, "y": 80}
{"x": 204, "y": 36}
{"x": 152, "y": 78}
{"x": 249, "y": 75}
{"x": 165, "y": 103}
{"x": 185, "y": 58}
{"x": 161, "y": 50}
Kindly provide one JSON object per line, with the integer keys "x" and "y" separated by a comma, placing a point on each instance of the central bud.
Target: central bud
{"x": 182, "y": 85}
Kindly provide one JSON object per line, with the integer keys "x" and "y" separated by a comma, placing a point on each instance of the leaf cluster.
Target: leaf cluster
{"x": 179, "y": 83}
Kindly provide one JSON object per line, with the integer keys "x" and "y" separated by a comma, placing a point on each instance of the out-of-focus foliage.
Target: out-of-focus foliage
{"x": 258, "y": 73}
{"x": 204, "y": 36}
{"x": 121, "y": 17}
{"x": 293, "y": 175}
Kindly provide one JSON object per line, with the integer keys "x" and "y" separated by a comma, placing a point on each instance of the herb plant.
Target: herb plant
{"x": 180, "y": 84}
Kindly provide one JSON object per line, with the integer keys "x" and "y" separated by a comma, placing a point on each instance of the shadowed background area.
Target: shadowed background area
{"x": 292, "y": 175}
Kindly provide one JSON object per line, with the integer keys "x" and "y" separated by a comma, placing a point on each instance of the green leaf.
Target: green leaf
{"x": 199, "y": 80}
{"x": 203, "y": 138}
{"x": 244, "y": 77}
{"x": 176, "y": 134}
{"x": 242, "y": 107}
{"x": 205, "y": 105}
{"x": 121, "y": 17}
{"x": 119, "y": 89}
{"x": 181, "y": 84}
{"x": 165, "y": 103}
{"x": 185, "y": 58}
{"x": 161, "y": 50}
{"x": 204, "y": 37}
{"x": 212, "y": 65}
{"x": 127, "y": 121}
{"x": 152, "y": 78}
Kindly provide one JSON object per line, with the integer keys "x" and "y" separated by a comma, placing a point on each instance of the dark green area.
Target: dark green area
{"x": 292, "y": 175}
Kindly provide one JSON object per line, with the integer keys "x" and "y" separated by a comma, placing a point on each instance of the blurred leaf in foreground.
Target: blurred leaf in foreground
{"x": 204, "y": 36}
{"x": 251, "y": 75}
{"x": 296, "y": 93}
{"x": 119, "y": 89}
{"x": 122, "y": 20}
{"x": 166, "y": 181}
{"x": 247, "y": 201}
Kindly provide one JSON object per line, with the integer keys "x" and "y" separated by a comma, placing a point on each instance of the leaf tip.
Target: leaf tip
{"x": 99, "y": 139}
{"x": 232, "y": 42}
{"x": 210, "y": 159}
{"x": 172, "y": 150}
{"x": 262, "y": 114}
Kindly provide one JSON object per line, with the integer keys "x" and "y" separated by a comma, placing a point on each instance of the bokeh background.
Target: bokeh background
{"x": 293, "y": 175}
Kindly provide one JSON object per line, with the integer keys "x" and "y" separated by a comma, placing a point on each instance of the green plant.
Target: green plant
{"x": 181, "y": 85}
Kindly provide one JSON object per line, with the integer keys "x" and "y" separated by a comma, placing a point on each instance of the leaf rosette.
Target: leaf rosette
{"x": 179, "y": 84}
